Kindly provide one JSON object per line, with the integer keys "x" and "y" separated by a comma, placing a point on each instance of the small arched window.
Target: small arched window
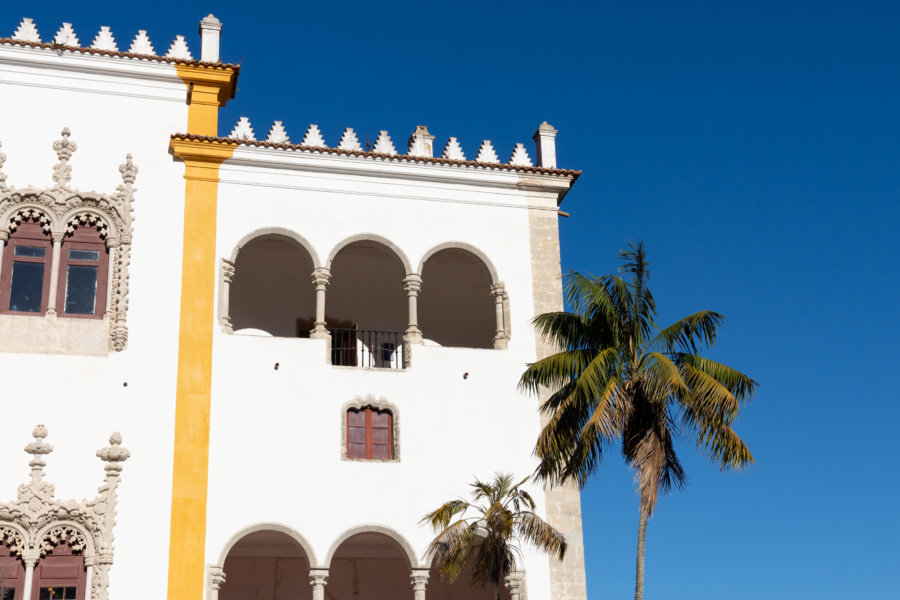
{"x": 370, "y": 434}
{"x": 83, "y": 269}
{"x": 25, "y": 273}
{"x": 12, "y": 572}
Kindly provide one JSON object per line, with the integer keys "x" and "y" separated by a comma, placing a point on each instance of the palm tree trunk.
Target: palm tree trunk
{"x": 642, "y": 534}
{"x": 496, "y": 591}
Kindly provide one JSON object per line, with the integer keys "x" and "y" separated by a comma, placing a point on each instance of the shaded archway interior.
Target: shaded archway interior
{"x": 455, "y": 304}
{"x": 272, "y": 289}
{"x": 460, "y": 588}
{"x": 266, "y": 565}
{"x": 366, "y": 290}
{"x": 369, "y": 565}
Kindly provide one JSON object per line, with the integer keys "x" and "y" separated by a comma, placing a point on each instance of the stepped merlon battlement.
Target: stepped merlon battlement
{"x": 419, "y": 146}
{"x": 105, "y": 43}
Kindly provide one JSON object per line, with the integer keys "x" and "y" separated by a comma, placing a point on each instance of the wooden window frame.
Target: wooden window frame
{"x": 368, "y": 410}
{"x": 28, "y": 233}
{"x": 68, "y": 558}
{"x": 83, "y": 239}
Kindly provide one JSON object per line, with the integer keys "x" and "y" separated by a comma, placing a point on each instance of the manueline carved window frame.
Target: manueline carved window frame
{"x": 36, "y": 521}
{"x": 61, "y": 209}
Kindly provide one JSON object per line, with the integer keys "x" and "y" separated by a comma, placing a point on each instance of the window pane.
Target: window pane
{"x": 27, "y": 286}
{"x": 356, "y": 418}
{"x": 7, "y": 593}
{"x": 381, "y": 436}
{"x": 84, "y": 255}
{"x": 357, "y": 435}
{"x": 380, "y": 419}
{"x": 81, "y": 290}
{"x": 35, "y": 251}
{"x": 381, "y": 451}
{"x": 70, "y": 593}
{"x": 356, "y": 451}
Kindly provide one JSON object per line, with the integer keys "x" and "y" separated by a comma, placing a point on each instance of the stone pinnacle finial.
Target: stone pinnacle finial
{"x": 114, "y": 454}
{"x": 421, "y": 142}
{"x": 37, "y": 449}
{"x": 545, "y": 142}
{"x": 128, "y": 170}
{"x": 27, "y": 31}
{"x": 62, "y": 171}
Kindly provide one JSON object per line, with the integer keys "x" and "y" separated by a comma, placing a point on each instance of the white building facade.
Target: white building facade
{"x": 287, "y": 351}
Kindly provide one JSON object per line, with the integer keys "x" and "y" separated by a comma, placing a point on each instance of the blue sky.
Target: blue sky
{"x": 753, "y": 146}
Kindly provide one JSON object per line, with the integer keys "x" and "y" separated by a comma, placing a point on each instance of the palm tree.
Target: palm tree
{"x": 502, "y": 516}
{"x": 618, "y": 377}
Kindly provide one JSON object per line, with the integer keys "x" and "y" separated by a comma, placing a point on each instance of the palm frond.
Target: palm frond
{"x": 741, "y": 386}
{"x": 540, "y": 534}
{"x": 440, "y": 518}
{"x": 690, "y": 333}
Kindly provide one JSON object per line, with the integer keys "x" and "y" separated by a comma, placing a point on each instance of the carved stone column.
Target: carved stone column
{"x": 514, "y": 585}
{"x": 111, "y": 245}
{"x": 498, "y": 291}
{"x": 30, "y": 561}
{"x": 412, "y": 284}
{"x": 216, "y": 579}
{"x": 54, "y": 271}
{"x": 419, "y": 580}
{"x": 227, "y": 277}
{"x": 4, "y": 237}
{"x": 317, "y": 579}
{"x": 321, "y": 277}
{"x": 88, "y": 576}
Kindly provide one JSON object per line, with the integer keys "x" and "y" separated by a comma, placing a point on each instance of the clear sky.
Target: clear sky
{"x": 754, "y": 147}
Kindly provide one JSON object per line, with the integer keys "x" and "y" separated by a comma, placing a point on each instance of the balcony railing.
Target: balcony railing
{"x": 366, "y": 348}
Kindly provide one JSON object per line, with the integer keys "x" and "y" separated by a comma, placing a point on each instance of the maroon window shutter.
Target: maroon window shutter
{"x": 84, "y": 260}
{"x": 12, "y": 575}
{"x": 59, "y": 576}
{"x": 26, "y": 268}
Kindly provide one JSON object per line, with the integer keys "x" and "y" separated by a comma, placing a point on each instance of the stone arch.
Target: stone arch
{"x": 370, "y": 237}
{"x": 294, "y": 534}
{"x": 288, "y": 233}
{"x": 16, "y": 537}
{"x": 112, "y": 228}
{"x": 26, "y": 205}
{"x": 462, "y": 246}
{"x": 374, "y": 401}
{"x": 407, "y": 549}
{"x": 90, "y": 547}
{"x": 266, "y": 286}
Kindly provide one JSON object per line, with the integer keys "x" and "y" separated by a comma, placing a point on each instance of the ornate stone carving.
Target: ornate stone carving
{"x": 36, "y": 522}
{"x": 3, "y": 186}
{"x": 60, "y": 209}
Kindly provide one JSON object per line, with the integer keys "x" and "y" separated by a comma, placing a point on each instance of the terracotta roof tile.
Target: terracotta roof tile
{"x": 153, "y": 57}
{"x": 396, "y": 157}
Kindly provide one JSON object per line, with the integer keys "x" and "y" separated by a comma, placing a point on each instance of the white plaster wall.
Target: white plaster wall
{"x": 112, "y": 107}
{"x": 276, "y": 434}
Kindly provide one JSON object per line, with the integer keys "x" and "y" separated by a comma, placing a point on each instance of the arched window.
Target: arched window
{"x": 60, "y": 575}
{"x": 370, "y": 434}
{"x": 25, "y": 279}
{"x": 83, "y": 269}
{"x": 12, "y": 570}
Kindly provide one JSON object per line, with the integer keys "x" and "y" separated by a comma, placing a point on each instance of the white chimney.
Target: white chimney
{"x": 210, "y": 30}
{"x": 545, "y": 140}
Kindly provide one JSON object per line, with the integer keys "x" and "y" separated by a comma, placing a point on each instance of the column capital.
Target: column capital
{"x": 321, "y": 277}
{"x": 216, "y": 577}
{"x": 58, "y": 236}
{"x": 412, "y": 283}
{"x": 514, "y": 584}
{"x": 419, "y": 579}
{"x": 318, "y": 577}
{"x": 112, "y": 242}
{"x": 498, "y": 289}
{"x": 228, "y": 270}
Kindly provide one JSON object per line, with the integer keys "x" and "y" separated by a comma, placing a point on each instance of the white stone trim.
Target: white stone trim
{"x": 477, "y": 252}
{"x": 371, "y": 237}
{"x": 268, "y": 526}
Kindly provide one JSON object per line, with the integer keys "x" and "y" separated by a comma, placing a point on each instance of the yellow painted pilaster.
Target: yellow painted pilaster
{"x": 208, "y": 88}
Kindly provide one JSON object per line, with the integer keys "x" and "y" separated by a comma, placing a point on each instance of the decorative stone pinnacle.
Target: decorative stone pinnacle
{"x": 277, "y": 134}
{"x": 545, "y": 143}
{"x": 104, "y": 40}
{"x": 37, "y": 449}
{"x": 65, "y": 147}
{"x": 453, "y": 151}
{"x": 210, "y": 22}
{"x": 141, "y": 44}
{"x": 27, "y": 31}
{"x": 66, "y": 36}
{"x": 349, "y": 141}
{"x": 421, "y": 143}
{"x": 520, "y": 156}
{"x": 383, "y": 144}
{"x": 179, "y": 49}
{"x": 210, "y": 30}
{"x": 115, "y": 453}
{"x": 243, "y": 130}
{"x": 314, "y": 137}
{"x": 128, "y": 170}
{"x": 486, "y": 153}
